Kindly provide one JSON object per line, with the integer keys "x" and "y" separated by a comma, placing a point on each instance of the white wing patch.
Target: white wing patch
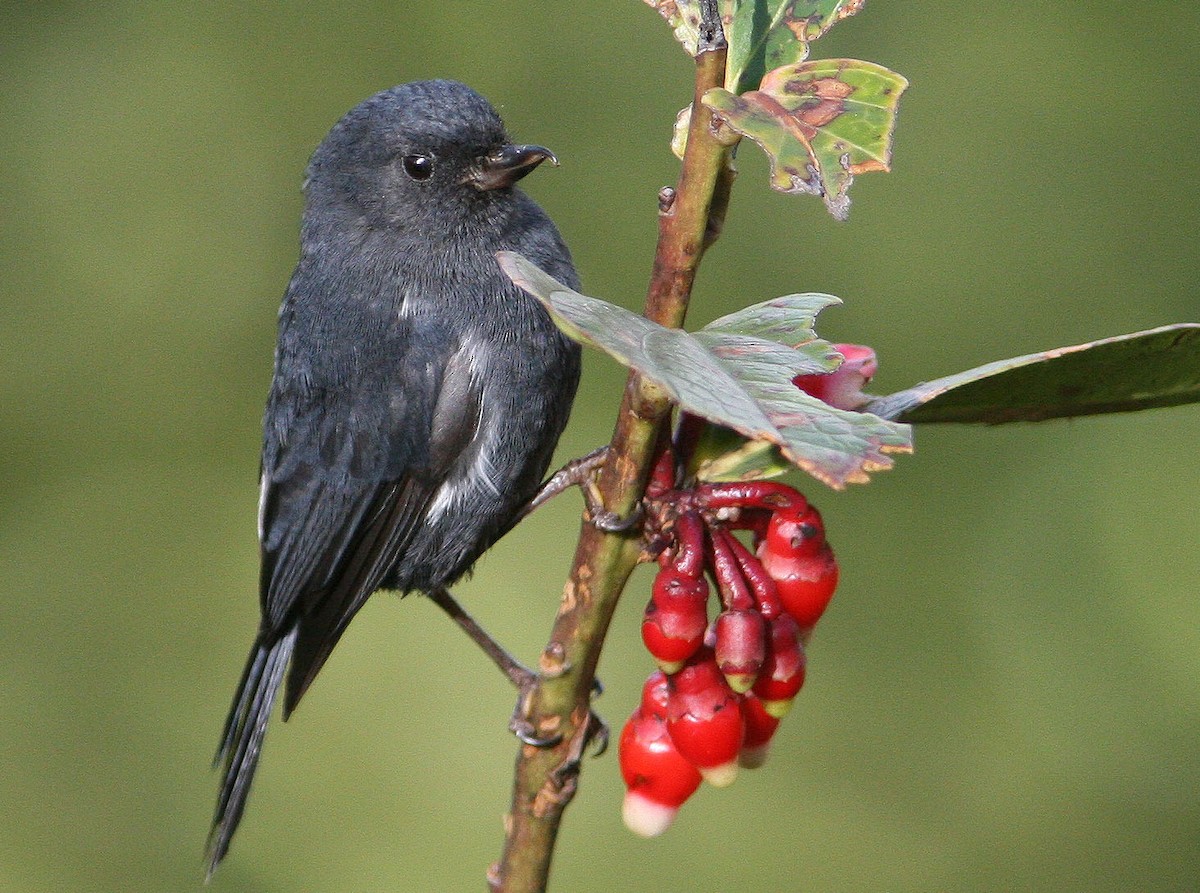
{"x": 483, "y": 474}
{"x": 485, "y": 466}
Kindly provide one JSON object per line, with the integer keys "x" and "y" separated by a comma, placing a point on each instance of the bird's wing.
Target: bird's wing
{"x": 347, "y": 483}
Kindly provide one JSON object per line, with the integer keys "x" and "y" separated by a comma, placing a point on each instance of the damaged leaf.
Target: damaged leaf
{"x": 768, "y": 34}
{"x": 820, "y": 123}
{"x": 762, "y": 34}
{"x": 787, "y": 320}
{"x": 684, "y": 18}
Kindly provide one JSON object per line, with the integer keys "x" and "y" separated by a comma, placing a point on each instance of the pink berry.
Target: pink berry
{"x": 842, "y": 388}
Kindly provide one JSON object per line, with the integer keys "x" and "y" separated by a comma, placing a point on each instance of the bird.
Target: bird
{"x": 417, "y": 394}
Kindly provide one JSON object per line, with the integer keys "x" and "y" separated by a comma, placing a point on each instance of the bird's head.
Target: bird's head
{"x": 428, "y": 154}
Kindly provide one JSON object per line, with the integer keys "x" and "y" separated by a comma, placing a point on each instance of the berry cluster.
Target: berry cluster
{"x": 723, "y": 686}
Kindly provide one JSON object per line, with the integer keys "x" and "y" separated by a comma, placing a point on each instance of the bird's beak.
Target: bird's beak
{"x": 507, "y": 165}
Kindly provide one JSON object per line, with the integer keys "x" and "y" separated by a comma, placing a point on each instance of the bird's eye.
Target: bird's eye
{"x": 419, "y": 167}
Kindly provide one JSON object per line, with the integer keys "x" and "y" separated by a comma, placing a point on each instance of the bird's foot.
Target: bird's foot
{"x": 522, "y": 726}
{"x": 610, "y": 522}
{"x": 520, "y": 675}
{"x": 576, "y": 473}
{"x": 581, "y": 473}
{"x": 593, "y": 730}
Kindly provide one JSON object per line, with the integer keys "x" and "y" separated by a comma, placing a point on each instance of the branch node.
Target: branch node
{"x": 553, "y": 662}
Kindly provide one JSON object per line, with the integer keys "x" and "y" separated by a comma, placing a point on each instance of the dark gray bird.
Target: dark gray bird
{"x": 418, "y": 394}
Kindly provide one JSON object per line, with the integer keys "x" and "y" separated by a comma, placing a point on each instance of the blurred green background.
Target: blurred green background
{"x": 1004, "y": 694}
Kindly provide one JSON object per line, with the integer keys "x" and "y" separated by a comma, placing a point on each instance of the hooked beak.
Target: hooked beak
{"x": 507, "y": 165}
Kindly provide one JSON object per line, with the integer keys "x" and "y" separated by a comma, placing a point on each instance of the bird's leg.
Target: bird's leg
{"x": 581, "y": 473}
{"x": 518, "y": 674}
{"x": 576, "y": 473}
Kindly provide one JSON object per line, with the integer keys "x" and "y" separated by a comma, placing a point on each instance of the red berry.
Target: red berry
{"x": 658, "y": 779}
{"x": 807, "y": 588}
{"x": 676, "y": 618}
{"x": 705, "y": 720}
{"x": 801, "y": 562}
{"x": 670, "y": 637}
{"x": 656, "y": 691}
{"x": 740, "y": 647}
{"x": 760, "y": 728}
{"x": 782, "y": 674}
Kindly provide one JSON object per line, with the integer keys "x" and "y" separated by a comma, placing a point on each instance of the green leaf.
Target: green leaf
{"x": 767, "y": 34}
{"x": 763, "y": 35}
{"x": 788, "y": 320}
{"x": 820, "y": 123}
{"x": 724, "y": 455}
{"x": 1143, "y": 370}
{"x": 736, "y": 380}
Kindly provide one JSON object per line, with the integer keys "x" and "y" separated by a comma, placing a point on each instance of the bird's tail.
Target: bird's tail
{"x": 243, "y": 736}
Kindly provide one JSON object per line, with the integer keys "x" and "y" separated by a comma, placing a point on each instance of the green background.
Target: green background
{"x": 1004, "y": 694}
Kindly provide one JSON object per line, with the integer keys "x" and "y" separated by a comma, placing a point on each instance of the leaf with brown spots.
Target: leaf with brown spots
{"x": 820, "y": 123}
{"x": 762, "y": 34}
{"x": 768, "y": 34}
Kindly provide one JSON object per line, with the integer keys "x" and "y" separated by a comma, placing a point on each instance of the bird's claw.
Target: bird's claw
{"x": 523, "y": 730}
{"x": 576, "y": 473}
{"x": 581, "y": 473}
{"x": 520, "y": 724}
{"x": 600, "y": 734}
{"x": 593, "y": 729}
{"x": 611, "y": 522}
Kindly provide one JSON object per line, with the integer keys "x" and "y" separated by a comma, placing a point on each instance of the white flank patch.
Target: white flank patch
{"x": 262, "y": 504}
